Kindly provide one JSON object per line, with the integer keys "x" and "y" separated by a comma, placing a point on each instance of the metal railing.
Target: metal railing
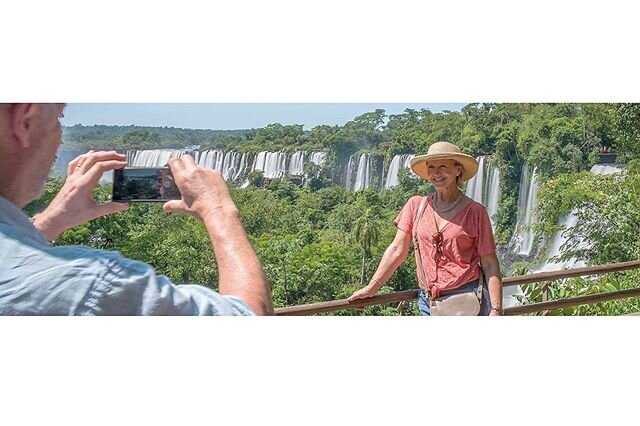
{"x": 542, "y": 277}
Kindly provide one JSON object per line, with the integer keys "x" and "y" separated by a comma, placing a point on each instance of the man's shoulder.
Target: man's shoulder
{"x": 53, "y": 261}
{"x": 64, "y": 280}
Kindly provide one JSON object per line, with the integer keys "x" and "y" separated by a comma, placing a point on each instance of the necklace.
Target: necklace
{"x": 446, "y": 209}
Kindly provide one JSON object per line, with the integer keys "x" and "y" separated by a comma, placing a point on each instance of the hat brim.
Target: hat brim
{"x": 469, "y": 164}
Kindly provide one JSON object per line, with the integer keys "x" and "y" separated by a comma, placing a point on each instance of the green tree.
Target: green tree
{"x": 366, "y": 232}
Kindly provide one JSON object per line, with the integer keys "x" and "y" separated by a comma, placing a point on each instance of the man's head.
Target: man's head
{"x": 30, "y": 135}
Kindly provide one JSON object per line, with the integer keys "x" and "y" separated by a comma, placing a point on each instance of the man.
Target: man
{"x": 37, "y": 279}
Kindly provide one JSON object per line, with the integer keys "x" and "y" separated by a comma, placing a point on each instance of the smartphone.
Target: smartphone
{"x": 141, "y": 184}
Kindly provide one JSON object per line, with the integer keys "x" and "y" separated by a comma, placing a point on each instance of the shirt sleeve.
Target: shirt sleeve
{"x": 407, "y": 215}
{"x": 132, "y": 288}
{"x": 485, "y": 241}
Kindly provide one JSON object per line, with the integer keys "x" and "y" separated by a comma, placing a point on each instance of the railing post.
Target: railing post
{"x": 545, "y": 296}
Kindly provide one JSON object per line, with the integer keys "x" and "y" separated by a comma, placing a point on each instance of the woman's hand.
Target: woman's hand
{"x": 363, "y": 293}
{"x": 74, "y": 204}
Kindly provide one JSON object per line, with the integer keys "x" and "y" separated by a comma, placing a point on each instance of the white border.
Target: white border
{"x": 318, "y": 370}
{"x": 320, "y": 51}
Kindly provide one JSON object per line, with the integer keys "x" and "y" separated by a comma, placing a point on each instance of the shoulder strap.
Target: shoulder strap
{"x": 422, "y": 277}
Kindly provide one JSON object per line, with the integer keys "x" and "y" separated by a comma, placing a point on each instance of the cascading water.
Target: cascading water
{"x": 230, "y": 164}
{"x": 484, "y": 187}
{"x": 241, "y": 168}
{"x": 364, "y": 173}
{"x": 523, "y": 239}
{"x": 153, "y": 157}
{"x": 211, "y": 159}
{"x": 296, "y": 164}
{"x": 297, "y": 161}
{"x": 476, "y": 183}
{"x": 566, "y": 223}
{"x": 398, "y": 163}
{"x": 494, "y": 193}
{"x": 272, "y": 164}
{"x": 350, "y": 170}
{"x": 318, "y": 157}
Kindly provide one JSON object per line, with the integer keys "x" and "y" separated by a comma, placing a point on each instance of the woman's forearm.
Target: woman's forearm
{"x": 495, "y": 291}
{"x": 491, "y": 267}
{"x": 393, "y": 257}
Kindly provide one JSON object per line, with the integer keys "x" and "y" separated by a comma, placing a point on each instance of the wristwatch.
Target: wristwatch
{"x": 499, "y": 310}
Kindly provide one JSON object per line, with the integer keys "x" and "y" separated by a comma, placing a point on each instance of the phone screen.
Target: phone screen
{"x": 144, "y": 184}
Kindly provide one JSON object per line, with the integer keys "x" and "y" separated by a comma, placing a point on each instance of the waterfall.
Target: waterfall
{"x": 153, "y": 157}
{"x": 363, "y": 175}
{"x": 210, "y": 159}
{"x": 241, "y": 167}
{"x": 494, "y": 193}
{"x": 272, "y": 164}
{"x": 399, "y": 162}
{"x": 350, "y": 169}
{"x": 475, "y": 184}
{"x": 523, "y": 239}
{"x": 484, "y": 187}
{"x": 230, "y": 164}
{"x": 318, "y": 157}
{"x": 296, "y": 164}
{"x": 566, "y": 223}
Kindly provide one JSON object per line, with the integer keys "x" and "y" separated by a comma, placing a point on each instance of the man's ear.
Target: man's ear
{"x": 21, "y": 116}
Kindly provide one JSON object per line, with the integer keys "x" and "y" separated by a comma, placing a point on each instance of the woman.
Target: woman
{"x": 454, "y": 238}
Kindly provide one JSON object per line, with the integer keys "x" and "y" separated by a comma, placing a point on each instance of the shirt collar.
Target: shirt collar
{"x": 14, "y": 217}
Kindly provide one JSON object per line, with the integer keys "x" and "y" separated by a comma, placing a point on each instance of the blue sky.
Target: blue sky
{"x": 231, "y": 116}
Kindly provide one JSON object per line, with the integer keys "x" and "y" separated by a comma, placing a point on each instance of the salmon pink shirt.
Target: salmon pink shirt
{"x": 466, "y": 237}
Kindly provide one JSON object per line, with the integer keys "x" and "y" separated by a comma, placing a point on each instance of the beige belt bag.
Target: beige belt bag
{"x": 456, "y": 305}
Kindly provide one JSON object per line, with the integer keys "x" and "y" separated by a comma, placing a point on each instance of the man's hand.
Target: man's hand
{"x": 204, "y": 192}
{"x": 74, "y": 204}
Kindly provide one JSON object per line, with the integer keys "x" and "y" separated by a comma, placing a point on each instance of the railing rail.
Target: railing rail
{"x": 542, "y": 277}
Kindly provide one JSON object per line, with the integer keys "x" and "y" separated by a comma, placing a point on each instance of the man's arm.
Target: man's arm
{"x": 205, "y": 194}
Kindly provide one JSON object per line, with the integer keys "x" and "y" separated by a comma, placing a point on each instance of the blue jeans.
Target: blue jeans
{"x": 485, "y": 306}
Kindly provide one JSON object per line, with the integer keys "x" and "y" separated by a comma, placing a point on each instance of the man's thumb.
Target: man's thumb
{"x": 173, "y": 206}
{"x": 111, "y": 208}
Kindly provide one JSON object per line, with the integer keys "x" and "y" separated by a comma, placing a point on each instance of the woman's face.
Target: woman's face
{"x": 443, "y": 173}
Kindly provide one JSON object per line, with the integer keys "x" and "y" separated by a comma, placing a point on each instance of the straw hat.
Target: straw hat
{"x": 445, "y": 151}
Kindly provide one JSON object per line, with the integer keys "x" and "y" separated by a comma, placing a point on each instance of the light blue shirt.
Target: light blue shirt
{"x": 37, "y": 279}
